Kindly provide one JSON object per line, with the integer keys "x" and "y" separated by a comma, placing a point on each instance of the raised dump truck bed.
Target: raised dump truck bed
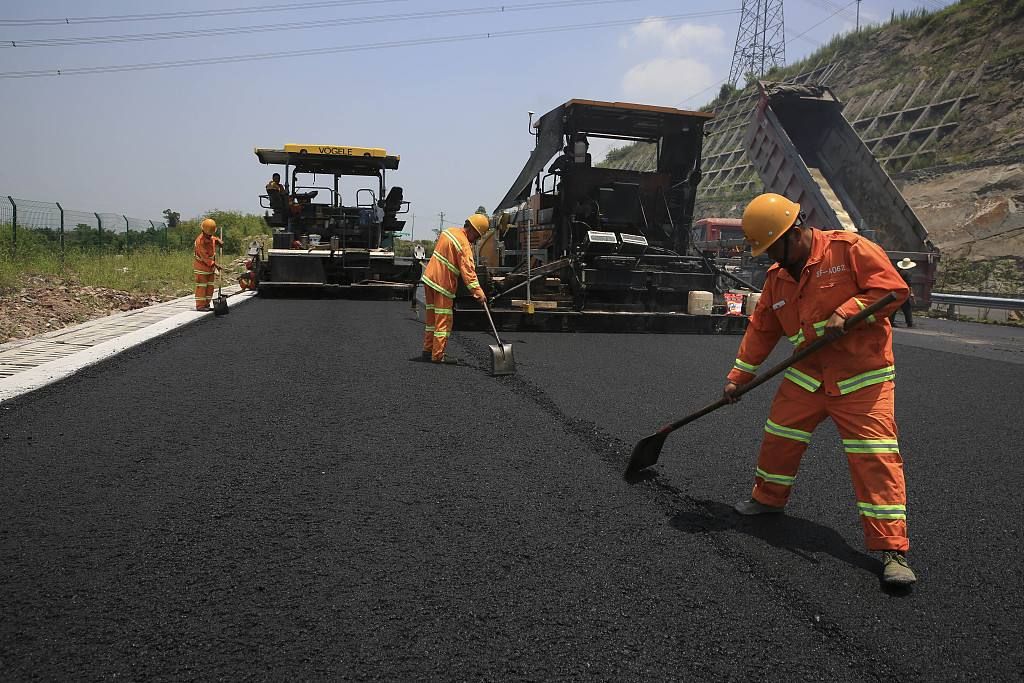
{"x": 804, "y": 148}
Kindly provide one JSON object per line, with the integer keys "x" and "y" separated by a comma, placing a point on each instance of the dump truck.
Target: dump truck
{"x": 804, "y": 148}
{"x": 575, "y": 246}
{"x": 333, "y": 245}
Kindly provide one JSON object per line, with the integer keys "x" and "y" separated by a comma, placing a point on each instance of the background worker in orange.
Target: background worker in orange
{"x": 452, "y": 258}
{"x": 205, "y": 264}
{"x": 818, "y": 281}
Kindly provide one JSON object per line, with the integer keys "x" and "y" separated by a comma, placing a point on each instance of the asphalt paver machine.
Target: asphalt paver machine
{"x": 334, "y": 224}
{"x": 575, "y": 246}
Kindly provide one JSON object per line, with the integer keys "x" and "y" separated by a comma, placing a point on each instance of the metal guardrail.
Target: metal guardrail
{"x": 977, "y": 301}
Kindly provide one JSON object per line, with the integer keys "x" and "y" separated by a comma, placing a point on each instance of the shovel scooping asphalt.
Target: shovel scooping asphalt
{"x": 502, "y": 360}
{"x": 646, "y": 451}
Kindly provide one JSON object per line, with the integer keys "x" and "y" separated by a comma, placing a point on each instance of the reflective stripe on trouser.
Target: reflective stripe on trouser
{"x": 204, "y": 286}
{"x": 867, "y": 427}
{"x": 439, "y": 323}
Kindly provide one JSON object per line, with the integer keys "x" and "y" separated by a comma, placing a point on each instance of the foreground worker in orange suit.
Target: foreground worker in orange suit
{"x": 205, "y": 264}
{"x": 452, "y": 258}
{"x": 818, "y": 281}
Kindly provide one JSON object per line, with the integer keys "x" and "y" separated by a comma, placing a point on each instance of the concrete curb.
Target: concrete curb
{"x": 48, "y": 373}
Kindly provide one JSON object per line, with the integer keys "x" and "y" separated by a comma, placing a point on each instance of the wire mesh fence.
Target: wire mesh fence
{"x": 29, "y": 227}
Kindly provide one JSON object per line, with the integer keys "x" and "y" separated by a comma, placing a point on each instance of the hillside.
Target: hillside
{"x": 966, "y": 182}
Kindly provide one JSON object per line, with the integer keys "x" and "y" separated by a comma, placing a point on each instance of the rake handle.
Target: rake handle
{"x": 781, "y": 367}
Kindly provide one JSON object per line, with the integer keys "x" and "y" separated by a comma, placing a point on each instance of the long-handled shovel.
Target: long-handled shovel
{"x": 502, "y": 360}
{"x": 220, "y": 304}
{"x": 646, "y": 451}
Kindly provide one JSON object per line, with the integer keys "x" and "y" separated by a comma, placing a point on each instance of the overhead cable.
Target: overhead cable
{"x": 190, "y": 14}
{"x": 346, "y": 21}
{"x": 466, "y": 37}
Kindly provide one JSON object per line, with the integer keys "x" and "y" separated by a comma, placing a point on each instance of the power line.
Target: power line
{"x": 466, "y": 37}
{"x": 162, "y": 16}
{"x": 240, "y": 30}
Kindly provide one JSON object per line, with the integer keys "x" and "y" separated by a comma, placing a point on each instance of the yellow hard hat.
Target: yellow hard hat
{"x": 480, "y": 223}
{"x": 209, "y": 226}
{"x": 766, "y": 219}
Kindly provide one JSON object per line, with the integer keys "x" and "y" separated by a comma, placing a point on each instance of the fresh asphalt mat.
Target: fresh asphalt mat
{"x": 284, "y": 494}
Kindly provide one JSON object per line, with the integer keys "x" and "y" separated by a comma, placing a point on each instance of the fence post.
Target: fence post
{"x": 99, "y": 227}
{"x": 127, "y": 241}
{"x": 14, "y": 227}
{"x": 61, "y": 234}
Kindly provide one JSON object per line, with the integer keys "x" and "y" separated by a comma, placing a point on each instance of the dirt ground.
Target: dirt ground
{"x": 45, "y": 303}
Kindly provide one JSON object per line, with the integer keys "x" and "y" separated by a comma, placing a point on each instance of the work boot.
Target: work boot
{"x": 752, "y": 507}
{"x": 895, "y": 569}
{"x": 427, "y": 356}
{"x": 447, "y": 360}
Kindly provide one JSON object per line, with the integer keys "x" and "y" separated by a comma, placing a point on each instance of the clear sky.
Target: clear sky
{"x": 138, "y": 142}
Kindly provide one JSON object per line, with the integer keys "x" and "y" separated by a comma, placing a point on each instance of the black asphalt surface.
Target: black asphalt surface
{"x": 283, "y": 494}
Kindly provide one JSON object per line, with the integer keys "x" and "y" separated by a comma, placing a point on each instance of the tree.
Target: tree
{"x": 172, "y": 218}
{"x": 481, "y": 209}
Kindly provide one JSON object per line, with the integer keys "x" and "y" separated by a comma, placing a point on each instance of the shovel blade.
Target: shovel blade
{"x": 645, "y": 453}
{"x": 220, "y": 307}
{"x": 502, "y": 360}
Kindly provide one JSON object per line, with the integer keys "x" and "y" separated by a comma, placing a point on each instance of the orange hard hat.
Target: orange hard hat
{"x": 766, "y": 218}
{"x": 480, "y": 223}
{"x": 209, "y": 226}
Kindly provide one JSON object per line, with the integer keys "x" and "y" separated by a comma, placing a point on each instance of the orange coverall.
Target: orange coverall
{"x": 202, "y": 266}
{"x": 851, "y": 380}
{"x": 452, "y": 257}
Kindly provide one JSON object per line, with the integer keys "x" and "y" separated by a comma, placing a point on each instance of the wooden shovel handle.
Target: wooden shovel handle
{"x": 785, "y": 365}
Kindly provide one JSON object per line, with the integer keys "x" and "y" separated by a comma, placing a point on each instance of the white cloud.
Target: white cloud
{"x": 667, "y": 81}
{"x": 662, "y": 37}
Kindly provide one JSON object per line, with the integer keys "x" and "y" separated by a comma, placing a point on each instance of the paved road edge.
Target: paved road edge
{"x": 36, "y": 378}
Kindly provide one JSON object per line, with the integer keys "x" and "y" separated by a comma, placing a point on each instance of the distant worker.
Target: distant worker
{"x": 275, "y": 185}
{"x": 452, "y": 258}
{"x": 205, "y": 264}
{"x": 906, "y": 265}
{"x": 818, "y": 281}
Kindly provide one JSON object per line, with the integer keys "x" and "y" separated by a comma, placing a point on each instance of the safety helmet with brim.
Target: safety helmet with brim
{"x": 479, "y": 222}
{"x": 766, "y": 218}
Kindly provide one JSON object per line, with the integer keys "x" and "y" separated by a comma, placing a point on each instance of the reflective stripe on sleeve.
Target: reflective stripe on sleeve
{"x": 871, "y": 318}
{"x": 745, "y": 367}
{"x": 797, "y": 339}
{"x": 473, "y": 285}
{"x": 787, "y": 432}
{"x": 443, "y": 311}
{"x": 781, "y": 479}
{"x": 882, "y": 511}
{"x": 802, "y": 380}
{"x": 866, "y": 379}
{"x": 871, "y": 445}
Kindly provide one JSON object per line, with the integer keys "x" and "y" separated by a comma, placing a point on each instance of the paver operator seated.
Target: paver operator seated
{"x": 452, "y": 258}
{"x": 204, "y": 264}
{"x": 818, "y": 281}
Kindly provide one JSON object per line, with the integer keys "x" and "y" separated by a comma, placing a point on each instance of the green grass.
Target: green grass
{"x": 148, "y": 270}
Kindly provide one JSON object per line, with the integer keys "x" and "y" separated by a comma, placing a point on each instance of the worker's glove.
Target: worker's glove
{"x": 479, "y": 295}
{"x": 728, "y": 391}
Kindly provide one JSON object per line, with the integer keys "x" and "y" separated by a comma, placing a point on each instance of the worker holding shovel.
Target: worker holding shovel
{"x": 821, "y": 279}
{"x": 452, "y": 259}
{"x": 204, "y": 265}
